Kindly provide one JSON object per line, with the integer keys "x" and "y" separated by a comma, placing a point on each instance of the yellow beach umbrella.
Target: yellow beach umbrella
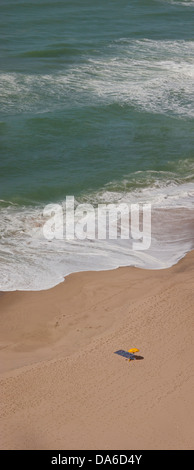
{"x": 133, "y": 350}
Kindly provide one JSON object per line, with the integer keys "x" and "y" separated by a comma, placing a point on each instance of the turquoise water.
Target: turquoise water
{"x": 96, "y": 101}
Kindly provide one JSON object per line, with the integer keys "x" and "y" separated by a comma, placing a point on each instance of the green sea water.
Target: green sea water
{"x": 96, "y": 101}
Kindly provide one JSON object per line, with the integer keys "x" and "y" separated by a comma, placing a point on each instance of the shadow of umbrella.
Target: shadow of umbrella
{"x": 138, "y": 358}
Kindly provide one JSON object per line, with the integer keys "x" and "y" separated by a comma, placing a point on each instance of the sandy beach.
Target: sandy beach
{"x": 62, "y": 386}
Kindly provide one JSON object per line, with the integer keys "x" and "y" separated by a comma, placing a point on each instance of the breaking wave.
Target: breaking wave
{"x": 154, "y": 76}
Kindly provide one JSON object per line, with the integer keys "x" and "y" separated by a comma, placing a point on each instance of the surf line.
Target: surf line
{"x": 68, "y": 460}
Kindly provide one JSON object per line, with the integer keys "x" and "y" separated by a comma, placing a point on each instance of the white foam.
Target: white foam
{"x": 157, "y": 76}
{"x": 162, "y": 189}
{"x": 29, "y": 262}
{"x": 184, "y": 3}
{"x": 160, "y": 197}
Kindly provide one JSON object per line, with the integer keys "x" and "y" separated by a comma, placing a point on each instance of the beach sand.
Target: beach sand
{"x": 62, "y": 386}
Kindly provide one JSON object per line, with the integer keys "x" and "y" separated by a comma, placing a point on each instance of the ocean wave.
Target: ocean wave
{"x": 161, "y": 189}
{"x": 184, "y": 3}
{"x": 154, "y": 76}
{"x": 31, "y": 262}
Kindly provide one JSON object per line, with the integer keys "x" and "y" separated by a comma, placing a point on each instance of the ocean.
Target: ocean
{"x": 96, "y": 102}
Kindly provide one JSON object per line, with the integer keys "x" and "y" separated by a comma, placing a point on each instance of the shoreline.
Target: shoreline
{"x": 57, "y": 353}
{"x": 36, "y": 269}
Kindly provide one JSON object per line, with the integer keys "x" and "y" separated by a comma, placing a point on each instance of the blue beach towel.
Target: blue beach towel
{"x": 125, "y": 354}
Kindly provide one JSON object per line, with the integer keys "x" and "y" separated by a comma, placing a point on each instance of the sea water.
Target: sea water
{"x": 97, "y": 102}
